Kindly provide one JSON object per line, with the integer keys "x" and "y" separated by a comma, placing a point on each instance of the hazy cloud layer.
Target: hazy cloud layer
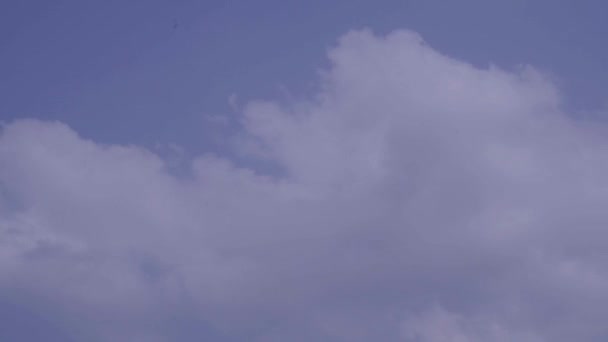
{"x": 417, "y": 199}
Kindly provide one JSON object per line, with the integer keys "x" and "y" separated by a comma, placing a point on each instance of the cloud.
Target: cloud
{"x": 415, "y": 198}
{"x": 438, "y": 325}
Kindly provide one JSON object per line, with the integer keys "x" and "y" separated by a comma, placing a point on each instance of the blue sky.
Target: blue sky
{"x": 264, "y": 171}
{"x": 107, "y": 67}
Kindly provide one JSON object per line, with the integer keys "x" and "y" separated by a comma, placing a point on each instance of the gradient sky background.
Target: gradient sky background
{"x": 270, "y": 171}
{"x": 106, "y": 67}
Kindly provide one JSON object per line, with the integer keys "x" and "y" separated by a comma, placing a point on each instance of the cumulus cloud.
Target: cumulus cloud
{"x": 415, "y": 198}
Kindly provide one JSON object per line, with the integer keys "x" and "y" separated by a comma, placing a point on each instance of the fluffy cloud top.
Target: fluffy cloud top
{"x": 419, "y": 199}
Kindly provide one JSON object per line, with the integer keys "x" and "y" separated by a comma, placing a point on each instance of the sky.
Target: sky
{"x": 391, "y": 170}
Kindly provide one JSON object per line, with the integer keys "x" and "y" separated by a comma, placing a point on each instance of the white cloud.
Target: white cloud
{"x": 411, "y": 182}
{"x": 438, "y": 325}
